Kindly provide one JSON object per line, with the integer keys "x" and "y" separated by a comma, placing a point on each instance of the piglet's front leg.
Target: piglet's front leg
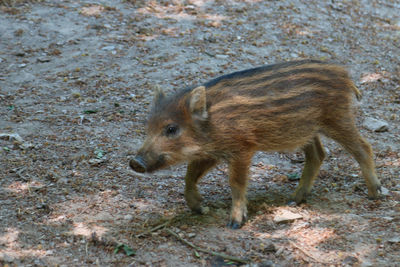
{"x": 196, "y": 169}
{"x": 238, "y": 176}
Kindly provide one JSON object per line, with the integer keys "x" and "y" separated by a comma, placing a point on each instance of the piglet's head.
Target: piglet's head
{"x": 174, "y": 132}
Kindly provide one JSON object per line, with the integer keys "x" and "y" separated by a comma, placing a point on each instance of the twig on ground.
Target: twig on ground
{"x": 310, "y": 255}
{"x": 160, "y": 226}
{"x": 227, "y": 257}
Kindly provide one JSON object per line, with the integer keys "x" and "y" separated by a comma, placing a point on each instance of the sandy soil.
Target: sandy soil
{"x": 76, "y": 81}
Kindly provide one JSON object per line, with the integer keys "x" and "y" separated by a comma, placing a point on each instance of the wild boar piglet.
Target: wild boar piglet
{"x": 279, "y": 107}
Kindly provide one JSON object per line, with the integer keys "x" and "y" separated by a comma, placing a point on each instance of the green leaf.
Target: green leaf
{"x": 99, "y": 153}
{"x": 90, "y": 111}
{"x": 128, "y": 250}
{"x": 196, "y": 254}
{"x": 118, "y": 248}
{"x": 293, "y": 176}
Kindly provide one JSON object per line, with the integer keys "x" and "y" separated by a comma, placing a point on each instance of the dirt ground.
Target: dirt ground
{"x": 76, "y": 81}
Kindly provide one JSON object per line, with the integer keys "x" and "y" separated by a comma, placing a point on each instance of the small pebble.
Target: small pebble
{"x": 221, "y": 56}
{"x": 43, "y": 59}
{"x": 128, "y": 217}
{"x": 375, "y": 125}
{"x": 191, "y": 235}
{"x": 385, "y": 191}
{"x": 395, "y": 239}
{"x": 108, "y": 48}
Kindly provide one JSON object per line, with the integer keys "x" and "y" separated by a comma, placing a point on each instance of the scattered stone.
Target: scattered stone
{"x": 11, "y": 137}
{"x": 17, "y": 139}
{"x": 128, "y": 217}
{"x": 26, "y": 145}
{"x": 43, "y": 59}
{"x": 191, "y": 235}
{"x": 366, "y": 263}
{"x": 95, "y": 162}
{"x": 219, "y": 56}
{"x": 22, "y": 65}
{"x": 190, "y": 7}
{"x": 385, "y": 191}
{"x": 376, "y": 125}
{"x": 108, "y": 48}
{"x": 49, "y": 252}
{"x": 286, "y": 216}
{"x": 388, "y": 218}
{"x": 350, "y": 260}
{"x": 42, "y": 206}
{"x": 395, "y": 239}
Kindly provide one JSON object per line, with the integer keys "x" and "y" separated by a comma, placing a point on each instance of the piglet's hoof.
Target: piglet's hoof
{"x": 378, "y": 193}
{"x": 234, "y": 225}
{"x": 295, "y": 201}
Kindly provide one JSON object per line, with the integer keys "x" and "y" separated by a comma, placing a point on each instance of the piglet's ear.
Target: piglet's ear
{"x": 198, "y": 103}
{"x": 158, "y": 94}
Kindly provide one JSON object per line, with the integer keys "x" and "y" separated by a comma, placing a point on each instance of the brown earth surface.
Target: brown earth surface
{"x": 76, "y": 81}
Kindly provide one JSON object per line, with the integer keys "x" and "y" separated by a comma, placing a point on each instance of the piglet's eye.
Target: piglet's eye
{"x": 171, "y": 130}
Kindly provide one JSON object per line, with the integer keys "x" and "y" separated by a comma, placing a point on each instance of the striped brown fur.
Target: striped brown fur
{"x": 278, "y": 107}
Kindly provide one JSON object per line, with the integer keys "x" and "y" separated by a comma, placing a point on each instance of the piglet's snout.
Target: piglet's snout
{"x": 138, "y": 164}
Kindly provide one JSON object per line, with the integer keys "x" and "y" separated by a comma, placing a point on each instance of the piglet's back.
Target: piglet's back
{"x": 280, "y": 106}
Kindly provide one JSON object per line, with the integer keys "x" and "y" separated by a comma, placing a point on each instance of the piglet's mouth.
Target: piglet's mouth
{"x": 140, "y": 165}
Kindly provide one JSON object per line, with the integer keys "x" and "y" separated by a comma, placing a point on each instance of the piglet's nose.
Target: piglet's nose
{"x": 138, "y": 164}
